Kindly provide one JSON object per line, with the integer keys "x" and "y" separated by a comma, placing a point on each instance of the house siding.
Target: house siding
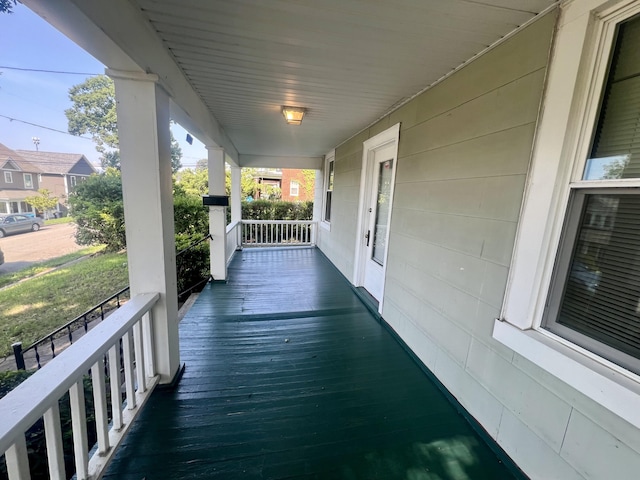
{"x": 82, "y": 168}
{"x": 463, "y": 156}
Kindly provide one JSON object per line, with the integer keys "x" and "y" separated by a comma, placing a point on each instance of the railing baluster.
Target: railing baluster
{"x": 37, "y": 357}
{"x": 114, "y": 383}
{"x": 17, "y": 460}
{"x": 53, "y": 436}
{"x": 128, "y": 371}
{"x": 147, "y": 334}
{"x": 140, "y": 360}
{"x": 79, "y": 423}
{"x": 100, "y": 406}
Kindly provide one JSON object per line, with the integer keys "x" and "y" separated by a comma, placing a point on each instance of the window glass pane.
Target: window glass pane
{"x": 330, "y": 187}
{"x": 601, "y": 295}
{"x": 382, "y": 211}
{"x": 616, "y": 149}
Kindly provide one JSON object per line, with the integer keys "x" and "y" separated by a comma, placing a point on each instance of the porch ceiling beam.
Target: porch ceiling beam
{"x": 267, "y": 161}
{"x": 117, "y": 34}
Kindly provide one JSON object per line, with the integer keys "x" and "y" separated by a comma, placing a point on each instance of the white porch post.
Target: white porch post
{"x": 236, "y": 195}
{"x": 318, "y": 196}
{"x": 217, "y": 215}
{"x": 143, "y": 131}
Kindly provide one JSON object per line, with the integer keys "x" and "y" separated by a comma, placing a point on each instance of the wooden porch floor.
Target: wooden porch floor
{"x": 289, "y": 376}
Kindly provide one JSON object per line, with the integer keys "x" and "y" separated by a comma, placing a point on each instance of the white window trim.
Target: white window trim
{"x": 8, "y": 177}
{"x": 577, "y": 71}
{"x": 297, "y": 185}
{"x": 25, "y": 175}
{"x": 329, "y": 157}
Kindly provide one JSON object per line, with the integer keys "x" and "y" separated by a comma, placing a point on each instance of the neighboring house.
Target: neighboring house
{"x": 60, "y": 172}
{"x": 487, "y": 198}
{"x": 19, "y": 179}
{"x": 294, "y": 184}
{"x": 297, "y": 185}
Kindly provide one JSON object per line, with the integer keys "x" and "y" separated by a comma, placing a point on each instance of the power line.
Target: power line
{"x": 38, "y": 70}
{"x": 42, "y": 126}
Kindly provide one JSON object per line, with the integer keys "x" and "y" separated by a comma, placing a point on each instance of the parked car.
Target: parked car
{"x": 19, "y": 223}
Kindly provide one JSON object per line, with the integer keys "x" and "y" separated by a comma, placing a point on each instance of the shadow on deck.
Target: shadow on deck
{"x": 289, "y": 376}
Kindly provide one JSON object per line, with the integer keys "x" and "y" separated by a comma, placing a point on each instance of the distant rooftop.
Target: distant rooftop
{"x": 53, "y": 162}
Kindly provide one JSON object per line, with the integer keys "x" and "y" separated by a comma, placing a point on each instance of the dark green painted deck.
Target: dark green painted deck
{"x": 289, "y": 376}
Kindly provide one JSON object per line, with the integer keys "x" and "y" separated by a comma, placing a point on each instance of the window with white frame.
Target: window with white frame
{"x": 594, "y": 300}
{"x": 294, "y": 188}
{"x": 72, "y": 181}
{"x": 572, "y": 302}
{"x": 328, "y": 188}
{"x": 28, "y": 180}
{"x": 8, "y": 178}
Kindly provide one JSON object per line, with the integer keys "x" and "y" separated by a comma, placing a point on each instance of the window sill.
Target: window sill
{"x": 607, "y": 384}
{"x": 325, "y": 225}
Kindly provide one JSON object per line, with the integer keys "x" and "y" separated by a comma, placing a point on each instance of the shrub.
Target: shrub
{"x": 96, "y": 205}
{"x": 270, "y": 210}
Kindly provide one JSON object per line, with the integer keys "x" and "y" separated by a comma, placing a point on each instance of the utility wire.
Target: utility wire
{"x": 47, "y": 71}
{"x": 42, "y": 126}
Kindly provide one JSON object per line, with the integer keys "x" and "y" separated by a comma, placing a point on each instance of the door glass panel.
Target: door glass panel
{"x": 382, "y": 212}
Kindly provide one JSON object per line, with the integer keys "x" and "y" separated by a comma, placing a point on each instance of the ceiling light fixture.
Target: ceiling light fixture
{"x": 293, "y": 115}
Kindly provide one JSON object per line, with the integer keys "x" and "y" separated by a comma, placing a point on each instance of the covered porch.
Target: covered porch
{"x": 290, "y": 376}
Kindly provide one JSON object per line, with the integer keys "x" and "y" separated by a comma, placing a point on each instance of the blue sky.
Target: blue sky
{"x": 41, "y": 98}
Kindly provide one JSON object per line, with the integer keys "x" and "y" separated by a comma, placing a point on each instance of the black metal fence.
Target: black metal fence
{"x": 192, "y": 274}
{"x": 50, "y": 345}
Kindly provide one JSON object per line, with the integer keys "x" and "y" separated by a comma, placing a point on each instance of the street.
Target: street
{"x": 23, "y": 249}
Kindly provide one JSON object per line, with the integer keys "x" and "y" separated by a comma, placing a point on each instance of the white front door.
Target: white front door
{"x": 378, "y": 217}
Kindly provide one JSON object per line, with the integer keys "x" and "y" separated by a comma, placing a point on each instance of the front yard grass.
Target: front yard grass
{"x": 58, "y": 221}
{"x": 11, "y": 278}
{"x": 35, "y": 307}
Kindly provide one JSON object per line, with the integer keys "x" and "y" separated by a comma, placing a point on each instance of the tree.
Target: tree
{"x": 97, "y": 207}
{"x": 7, "y": 6}
{"x": 94, "y": 113}
{"x": 194, "y": 182}
{"x": 309, "y": 182}
{"x": 42, "y": 202}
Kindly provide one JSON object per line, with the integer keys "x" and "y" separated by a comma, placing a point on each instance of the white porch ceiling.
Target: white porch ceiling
{"x": 347, "y": 61}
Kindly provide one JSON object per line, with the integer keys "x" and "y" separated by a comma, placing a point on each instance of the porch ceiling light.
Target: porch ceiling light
{"x": 293, "y": 115}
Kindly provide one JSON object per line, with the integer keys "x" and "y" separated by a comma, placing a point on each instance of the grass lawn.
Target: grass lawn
{"x": 57, "y": 221}
{"x": 12, "y": 278}
{"x": 35, "y": 307}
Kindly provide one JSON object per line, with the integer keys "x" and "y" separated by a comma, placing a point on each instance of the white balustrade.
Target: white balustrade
{"x": 234, "y": 231}
{"x": 277, "y": 233}
{"x": 38, "y": 396}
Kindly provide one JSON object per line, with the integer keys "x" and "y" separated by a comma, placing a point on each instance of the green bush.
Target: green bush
{"x": 191, "y": 217}
{"x": 270, "y": 210}
{"x": 192, "y": 264}
{"x": 97, "y": 208}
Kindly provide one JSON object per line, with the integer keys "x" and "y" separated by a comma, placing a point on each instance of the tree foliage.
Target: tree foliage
{"x": 7, "y": 6}
{"x": 97, "y": 207}
{"x": 94, "y": 112}
{"x": 43, "y": 202}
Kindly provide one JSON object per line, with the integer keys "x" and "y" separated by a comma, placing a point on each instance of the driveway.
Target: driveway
{"x": 24, "y": 249}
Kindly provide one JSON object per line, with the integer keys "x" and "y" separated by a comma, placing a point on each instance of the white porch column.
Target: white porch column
{"x": 143, "y": 131}
{"x": 318, "y": 196}
{"x": 217, "y": 215}
{"x": 236, "y": 195}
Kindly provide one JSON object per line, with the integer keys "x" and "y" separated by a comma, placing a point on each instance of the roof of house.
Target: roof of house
{"x": 54, "y": 162}
{"x": 7, "y": 154}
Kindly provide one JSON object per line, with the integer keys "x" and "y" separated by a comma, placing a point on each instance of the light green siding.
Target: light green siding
{"x": 464, "y": 152}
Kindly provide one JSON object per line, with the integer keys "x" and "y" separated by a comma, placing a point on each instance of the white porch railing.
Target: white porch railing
{"x": 234, "y": 231}
{"x": 38, "y": 396}
{"x": 274, "y": 233}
